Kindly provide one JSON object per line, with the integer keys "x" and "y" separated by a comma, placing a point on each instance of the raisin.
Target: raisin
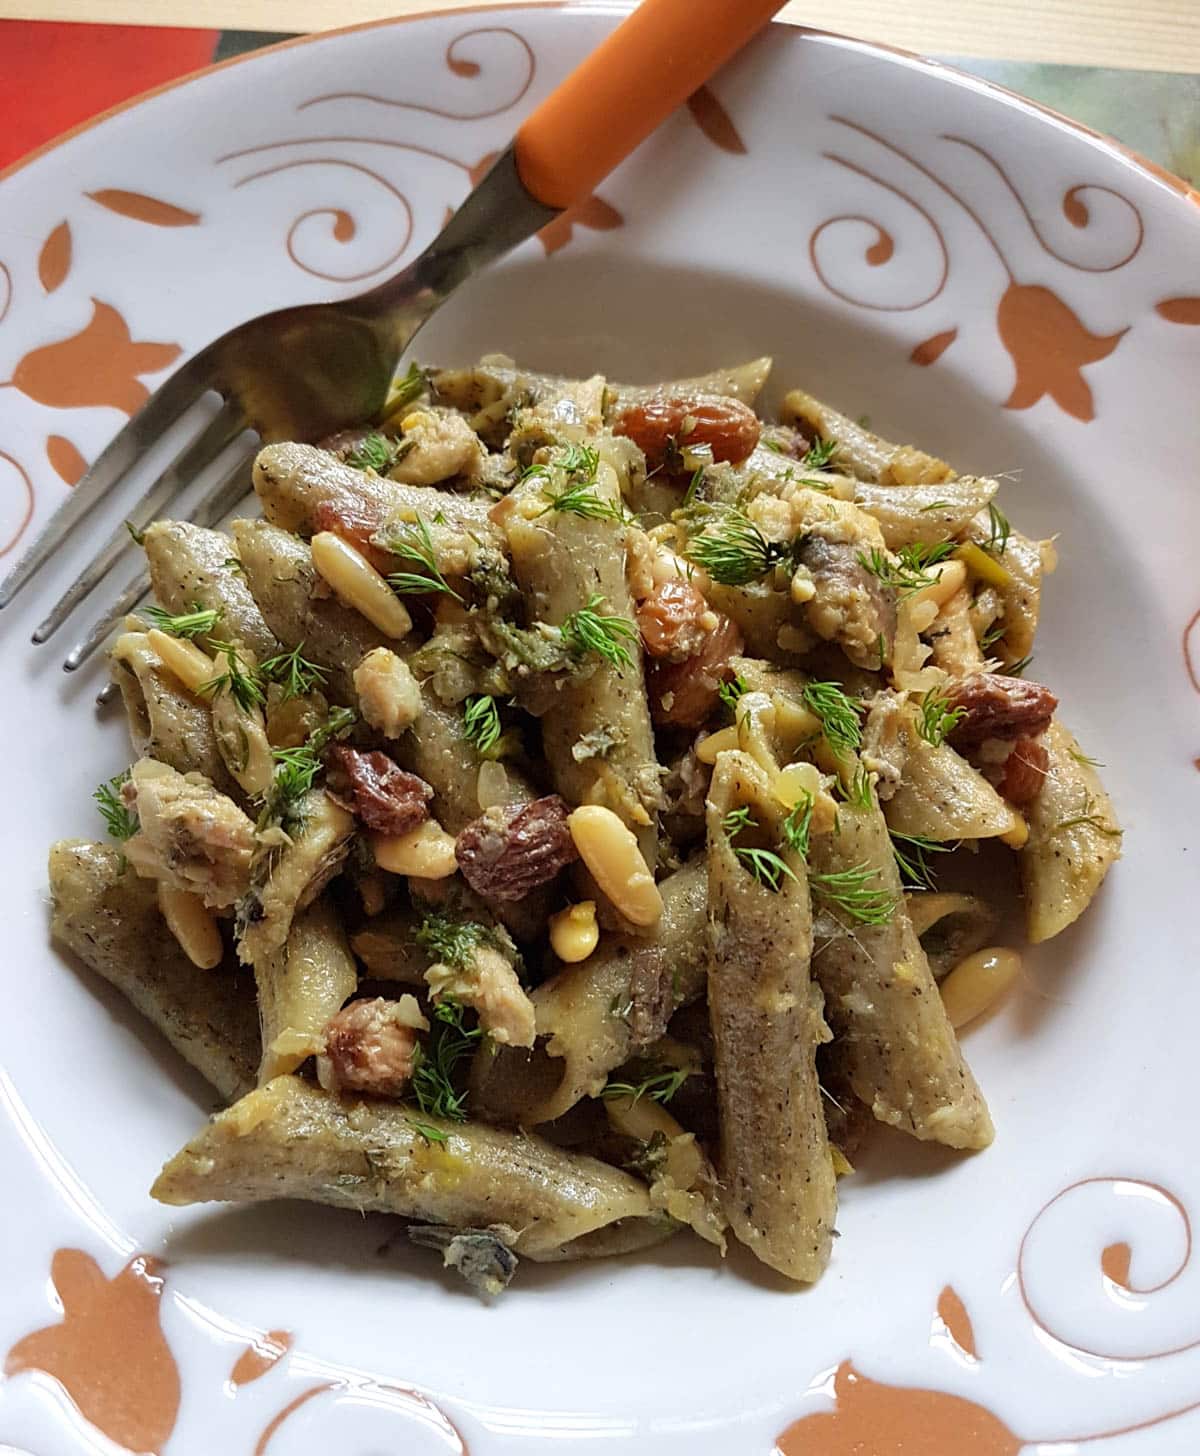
{"x": 510, "y": 850}
{"x": 1025, "y": 772}
{"x": 378, "y": 791}
{"x": 996, "y": 706}
{"x": 663, "y": 426}
{"x": 684, "y": 694}
{"x": 669, "y": 619}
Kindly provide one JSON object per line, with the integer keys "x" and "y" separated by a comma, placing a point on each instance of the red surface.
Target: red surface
{"x": 57, "y": 75}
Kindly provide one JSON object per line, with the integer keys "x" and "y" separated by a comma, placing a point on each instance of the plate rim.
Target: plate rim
{"x": 1161, "y": 177}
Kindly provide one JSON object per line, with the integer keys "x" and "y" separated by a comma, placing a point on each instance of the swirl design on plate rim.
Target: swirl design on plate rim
{"x": 923, "y": 1421}
{"x": 594, "y": 213}
{"x": 1048, "y": 343}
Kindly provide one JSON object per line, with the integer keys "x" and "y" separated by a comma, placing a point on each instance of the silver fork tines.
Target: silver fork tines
{"x": 233, "y": 485}
{"x": 120, "y": 455}
{"x": 221, "y": 430}
{"x": 299, "y": 373}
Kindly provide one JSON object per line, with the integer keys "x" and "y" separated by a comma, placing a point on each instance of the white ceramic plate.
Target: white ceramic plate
{"x": 977, "y": 275}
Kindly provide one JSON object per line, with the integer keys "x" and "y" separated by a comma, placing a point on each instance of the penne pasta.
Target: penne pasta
{"x": 777, "y": 1183}
{"x": 290, "y": 871}
{"x": 292, "y": 1140}
{"x": 1074, "y": 839}
{"x": 306, "y": 490}
{"x": 890, "y": 1030}
{"x": 300, "y": 986}
{"x": 950, "y": 927}
{"x": 435, "y": 747}
{"x": 566, "y": 563}
{"x": 299, "y": 608}
{"x": 940, "y": 796}
{"x": 190, "y": 567}
{"x": 940, "y": 510}
{"x": 592, "y": 1017}
{"x": 166, "y": 722}
{"x": 109, "y": 918}
{"x": 864, "y": 455}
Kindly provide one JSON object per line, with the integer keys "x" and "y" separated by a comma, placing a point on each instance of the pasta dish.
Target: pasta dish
{"x": 576, "y": 813}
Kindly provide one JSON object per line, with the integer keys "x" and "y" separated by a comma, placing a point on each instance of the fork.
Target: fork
{"x": 306, "y": 372}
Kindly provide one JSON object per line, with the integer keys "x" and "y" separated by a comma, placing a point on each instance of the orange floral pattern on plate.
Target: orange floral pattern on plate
{"x": 259, "y": 1357}
{"x": 109, "y": 1353}
{"x": 99, "y": 365}
{"x": 1049, "y": 348}
{"x": 54, "y": 261}
{"x": 1048, "y": 343}
{"x": 892, "y": 1420}
{"x": 714, "y": 121}
{"x": 68, "y": 463}
{"x": 140, "y": 208}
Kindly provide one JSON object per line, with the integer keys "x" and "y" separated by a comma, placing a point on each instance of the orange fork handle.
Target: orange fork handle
{"x": 627, "y": 87}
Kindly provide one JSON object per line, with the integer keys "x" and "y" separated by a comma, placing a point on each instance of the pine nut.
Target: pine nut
{"x": 719, "y": 742}
{"x": 491, "y": 784}
{"x": 794, "y": 781}
{"x": 950, "y": 576}
{"x": 574, "y": 933}
{"x": 974, "y": 984}
{"x": 611, "y": 853}
{"x": 193, "y": 926}
{"x": 358, "y": 585}
{"x": 1016, "y": 836}
{"x": 183, "y": 660}
{"x": 426, "y": 851}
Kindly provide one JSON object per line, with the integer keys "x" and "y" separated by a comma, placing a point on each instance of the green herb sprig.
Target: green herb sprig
{"x": 731, "y": 691}
{"x": 819, "y": 455}
{"x": 860, "y": 791}
{"x": 660, "y": 1087}
{"x": 1080, "y": 757}
{"x": 936, "y": 718}
{"x": 1089, "y": 818}
{"x": 732, "y": 549}
{"x": 911, "y": 852}
{"x": 436, "y": 1062}
{"x": 378, "y": 453}
{"x": 481, "y": 723}
{"x": 293, "y": 672}
{"x": 856, "y": 893}
{"x": 588, "y": 630}
{"x": 239, "y": 680}
{"x": 578, "y": 497}
{"x": 765, "y": 866}
{"x": 910, "y": 571}
{"x": 296, "y": 770}
{"x": 452, "y": 942}
{"x": 797, "y": 827}
{"x": 409, "y": 388}
{"x": 838, "y": 713}
{"x": 199, "y": 622}
{"x": 120, "y": 821}
{"x": 427, "y": 1131}
{"x": 411, "y": 541}
{"x": 999, "y": 531}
